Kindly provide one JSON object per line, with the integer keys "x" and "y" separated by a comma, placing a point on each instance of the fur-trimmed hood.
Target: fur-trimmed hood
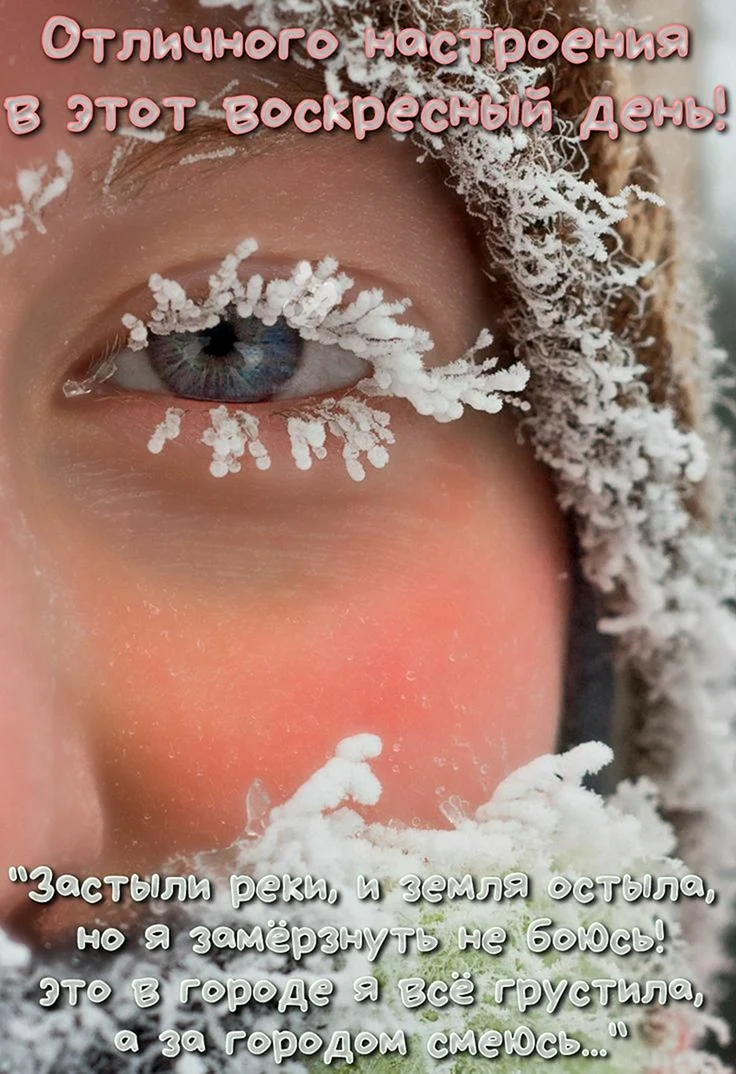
{"x": 604, "y": 308}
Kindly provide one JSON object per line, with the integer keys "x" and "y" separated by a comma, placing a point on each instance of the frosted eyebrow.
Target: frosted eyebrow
{"x": 207, "y": 134}
{"x": 141, "y": 161}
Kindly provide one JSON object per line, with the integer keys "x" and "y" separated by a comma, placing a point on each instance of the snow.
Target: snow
{"x": 540, "y": 822}
{"x": 166, "y": 430}
{"x": 37, "y": 189}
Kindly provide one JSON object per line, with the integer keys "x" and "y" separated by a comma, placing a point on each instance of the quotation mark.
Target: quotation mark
{"x": 618, "y": 1029}
{"x": 19, "y": 873}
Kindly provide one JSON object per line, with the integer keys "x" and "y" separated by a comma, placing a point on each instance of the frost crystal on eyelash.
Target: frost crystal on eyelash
{"x": 37, "y": 191}
{"x": 166, "y": 430}
{"x": 229, "y": 436}
{"x": 311, "y": 300}
{"x": 362, "y": 429}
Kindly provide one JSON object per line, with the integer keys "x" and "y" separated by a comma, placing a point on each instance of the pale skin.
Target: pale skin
{"x": 165, "y": 638}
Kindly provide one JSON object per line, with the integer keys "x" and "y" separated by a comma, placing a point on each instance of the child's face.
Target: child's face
{"x": 167, "y": 638}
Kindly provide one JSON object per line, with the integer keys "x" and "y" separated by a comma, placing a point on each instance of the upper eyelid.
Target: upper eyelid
{"x": 312, "y": 298}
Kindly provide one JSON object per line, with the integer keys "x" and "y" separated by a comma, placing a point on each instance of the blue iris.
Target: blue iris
{"x": 240, "y": 360}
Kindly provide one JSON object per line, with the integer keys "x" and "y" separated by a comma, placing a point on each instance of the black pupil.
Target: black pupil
{"x": 220, "y": 340}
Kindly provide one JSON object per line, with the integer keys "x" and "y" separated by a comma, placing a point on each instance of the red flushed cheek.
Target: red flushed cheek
{"x": 452, "y": 653}
{"x": 202, "y": 705}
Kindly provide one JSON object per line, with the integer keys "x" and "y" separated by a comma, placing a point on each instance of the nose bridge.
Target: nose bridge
{"x": 50, "y": 811}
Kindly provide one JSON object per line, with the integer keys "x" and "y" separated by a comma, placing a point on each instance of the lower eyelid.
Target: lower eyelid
{"x": 119, "y": 429}
{"x": 170, "y": 517}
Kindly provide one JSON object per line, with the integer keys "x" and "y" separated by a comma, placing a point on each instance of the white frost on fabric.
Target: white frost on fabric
{"x": 625, "y": 465}
{"x": 540, "y": 821}
{"x": 312, "y": 301}
{"x": 37, "y": 188}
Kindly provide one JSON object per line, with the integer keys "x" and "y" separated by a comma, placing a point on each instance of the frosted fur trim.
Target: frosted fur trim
{"x": 311, "y": 300}
{"x": 623, "y": 464}
{"x": 540, "y": 822}
{"x": 37, "y": 190}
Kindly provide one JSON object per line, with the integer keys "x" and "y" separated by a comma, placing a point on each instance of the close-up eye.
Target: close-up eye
{"x": 238, "y": 360}
{"x": 298, "y": 339}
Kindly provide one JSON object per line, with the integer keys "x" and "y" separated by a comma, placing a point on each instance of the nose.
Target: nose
{"x": 50, "y": 809}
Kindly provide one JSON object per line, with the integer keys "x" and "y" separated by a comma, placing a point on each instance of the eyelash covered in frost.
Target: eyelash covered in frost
{"x": 37, "y": 191}
{"x": 310, "y": 300}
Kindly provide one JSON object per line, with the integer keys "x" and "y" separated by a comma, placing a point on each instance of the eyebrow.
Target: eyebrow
{"x": 136, "y": 160}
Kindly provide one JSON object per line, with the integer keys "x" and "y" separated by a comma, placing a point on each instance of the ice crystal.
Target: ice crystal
{"x": 139, "y": 135}
{"x": 230, "y": 436}
{"x": 362, "y": 429}
{"x": 37, "y": 189}
{"x": 119, "y": 155}
{"x": 168, "y": 429}
{"x": 214, "y": 154}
